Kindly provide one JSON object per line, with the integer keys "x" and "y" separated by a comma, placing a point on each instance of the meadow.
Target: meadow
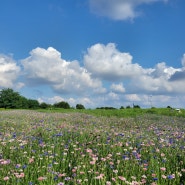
{"x": 97, "y": 148}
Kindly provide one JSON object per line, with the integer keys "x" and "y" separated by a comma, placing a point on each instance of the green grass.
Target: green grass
{"x": 120, "y": 112}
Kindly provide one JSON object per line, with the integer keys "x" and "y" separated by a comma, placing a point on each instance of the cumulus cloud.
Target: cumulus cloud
{"x": 107, "y": 63}
{"x": 45, "y": 66}
{"x": 179, "y": 75}
{"x": 119, "y": 9}
{"x": 9, "y": 72}
{"x": 118, "y": 88}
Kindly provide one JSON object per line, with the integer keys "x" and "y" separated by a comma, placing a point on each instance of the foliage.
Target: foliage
{"x": 80, "y": 106}
{"x": 10, "y": 99}
{"x": 13, "y": 100}
{"x": 62, "y": 104}
{"x": 44, "y": 105}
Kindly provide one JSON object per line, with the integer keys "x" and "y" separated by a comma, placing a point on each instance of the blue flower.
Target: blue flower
{"x": 155, "y": 179}
{"x": 170, "y": 177}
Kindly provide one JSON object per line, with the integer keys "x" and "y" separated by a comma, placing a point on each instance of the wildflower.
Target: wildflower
{"x": 164, "y": 176}
{"x": 115, "y": 171}
{"x": 18, "y": 166}
{"x": 155, "y": 179}
{"x": 6, "y": 178}
{"x": 111, "y": 163}
{"x": 171, "y": 176}
{"x": 31, "y": 160}
{"x": 108, "y": 183}
{"x": 122, "y": 178}
{"x": 92, "y": 162}
{"x": 42, "y": 178}
{"x": 60, "y": 183}
{"x": 61, "y": 175}
{"x": 21, "y": 175}
{"x": 67, "y": 178}
{"x": 162, "y": 154}
{"x": 163, "y": 169}
{"x": 5, "y": 161}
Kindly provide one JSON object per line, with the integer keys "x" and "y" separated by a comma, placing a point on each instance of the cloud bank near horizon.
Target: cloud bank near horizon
{"x": 107, "y": 75}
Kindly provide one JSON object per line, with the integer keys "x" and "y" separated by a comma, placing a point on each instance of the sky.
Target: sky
{"x": 94, "y": 52}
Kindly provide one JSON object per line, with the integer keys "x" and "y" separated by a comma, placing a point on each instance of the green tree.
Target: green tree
{"x": 79, "y": 106}
{"x": 62, "y": 104}
{"x": 44, "y": 105}
{"x": 33, "y": 104}
{"x": 9, "y": 98}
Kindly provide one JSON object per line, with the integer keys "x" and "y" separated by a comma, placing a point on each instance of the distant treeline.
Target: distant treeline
{"x": 9, "y": 99}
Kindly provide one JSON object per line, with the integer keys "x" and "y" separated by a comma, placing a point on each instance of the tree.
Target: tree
{"x": 62, "y": 104}
{"x": 79, "y": 106}
{"x": 33, "y": 104}
{"x": 44, "y": 105}
{"x": 9, "y": 98}
{"x": 136, "y": 106}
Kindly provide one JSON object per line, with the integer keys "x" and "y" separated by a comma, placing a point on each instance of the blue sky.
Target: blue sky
{"x": 94, "y": 52}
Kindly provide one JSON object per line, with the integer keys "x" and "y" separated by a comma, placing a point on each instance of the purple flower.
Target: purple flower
{"x": 60, "y": 183}
{"x": 170, "y": 176}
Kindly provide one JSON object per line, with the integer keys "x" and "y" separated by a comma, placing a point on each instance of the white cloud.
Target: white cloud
{"x": 9, "y": 72}
{"x": 123, "y": 81}
{"x": 113, "y": 96}
{"x": 183, "y": 61}
{"x": 47, "y": 67}
{"x": 119, "y": 9}
{"x": 107, "y": 63}
{"x": 132, "y": 97}
{"x": 119, "y": 88}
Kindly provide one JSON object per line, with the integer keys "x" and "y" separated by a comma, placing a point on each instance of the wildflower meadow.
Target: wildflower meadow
{"x": 39, "y": 148}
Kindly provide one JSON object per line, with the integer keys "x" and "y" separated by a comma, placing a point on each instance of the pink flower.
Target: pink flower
{"x": 21, "y": 175}
{"x": 92, "y": 162}
{"x": 162, "y": 154}
{"x": 41, "y": 178}
{"x": 163, "y": 169}
{"x": 111, "y": 163}
{"x": 6, "y": 178}
{"x": 62, "y": 175}
{"x": 89, "y": 150}
{"x": 31, "y": 160}
{"x": 122, "y": 178}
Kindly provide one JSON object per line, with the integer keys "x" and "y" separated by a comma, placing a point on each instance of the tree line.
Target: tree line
{"x": 9, "y": 99}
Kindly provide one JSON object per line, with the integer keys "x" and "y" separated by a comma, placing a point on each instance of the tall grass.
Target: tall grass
{"x": 78, "y": 148}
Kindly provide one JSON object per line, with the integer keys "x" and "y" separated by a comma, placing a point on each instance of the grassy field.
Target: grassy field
{"x": 121, "y": 112}
{"x": 92, "y": 147}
